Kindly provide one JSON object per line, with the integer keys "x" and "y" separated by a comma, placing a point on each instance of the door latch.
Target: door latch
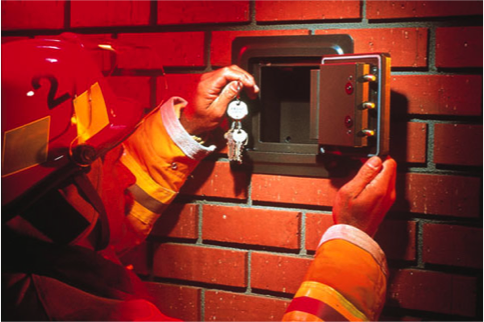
{"x": 351, "y": 94}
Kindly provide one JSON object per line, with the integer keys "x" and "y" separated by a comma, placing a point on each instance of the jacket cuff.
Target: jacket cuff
{"x": 359, "y": 238}
{"x": 169, "y": 112}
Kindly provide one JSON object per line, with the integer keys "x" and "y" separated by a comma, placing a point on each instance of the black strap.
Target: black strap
{"x": 94, "y": 199}
{"x": 74, "y": 265}
{"x": 34, "y": 194}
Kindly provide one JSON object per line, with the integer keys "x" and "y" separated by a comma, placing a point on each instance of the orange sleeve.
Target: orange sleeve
{"x": 346, "y": 281}
{"x": 161, "y": 155}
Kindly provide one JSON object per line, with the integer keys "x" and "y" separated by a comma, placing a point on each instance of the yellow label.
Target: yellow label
{"x": 91, "y": 113}
{"x": 25, "y": 146}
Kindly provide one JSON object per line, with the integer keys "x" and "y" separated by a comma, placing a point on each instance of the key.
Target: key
{"x": 237, "y": 110}
{"x": 236, "y": 137}
{"x": 240, "y": 138}
{"x": 230, "y": 144}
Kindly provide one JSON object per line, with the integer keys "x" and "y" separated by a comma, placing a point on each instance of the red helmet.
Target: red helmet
{"x": 58, "y": 114}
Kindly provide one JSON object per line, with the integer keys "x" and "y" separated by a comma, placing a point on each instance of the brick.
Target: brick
{"x": 181, "y": 302}
{"x": 438, "y": 94}
{"x": 93, "y": 39}
{"x": 397, "y": 238}
{"x": 137, "y": 259}
{"x": 439, "y": 195}
{"x": 278, "y": 273}
{"x": 226, "y": 306}
{"x": 134, "y": 88}
{"x": 109, "y": 13}
{"x": 216, "y": 179}
{"x": 316, "y": 225}
{"x": 295, "y": 190}
{"x": 407, "y": 46}
{"x": 201, "y": 264}
{"x": 221, "y": 45}
{"x": 306, "y": 10}
{"x": 433, "y": 291}
{"x": 421, "y": 9}
{"x": 458, "y": 47}
{"x": 178, "y": 221}
{"x": 458, "y": 144}
{"x": 182, "y": 85}
{"x": 242, "y": 225}
{"x": 25, "y": 14}
{"x": 190, "y": 12}
{"x": 452, "y": 245}
{"x": 157, "y": 50}
{"x": 409, "y": 142}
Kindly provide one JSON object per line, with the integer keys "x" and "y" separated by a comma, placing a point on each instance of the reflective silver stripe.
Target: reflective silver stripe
{"x": 359, "y": 238}
{"x": 146, "y": 200}
{"x": 179, "y": 135}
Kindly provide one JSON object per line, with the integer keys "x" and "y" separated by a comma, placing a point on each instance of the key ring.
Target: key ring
{"x": 236, "y": 125}
{"x": 239, "y": 87}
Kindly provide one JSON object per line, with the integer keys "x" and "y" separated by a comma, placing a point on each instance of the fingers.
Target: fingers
{"x": 384, "y": 183}
{"x": 366, "y": 199}
{"x": 386, "y": 178}
{"x": 244, "y": 77}
{"x": 214, "y": 92}
{"x": 227, "y": 84}
{"x": 228, "y": 93}
{"x": 390, "y": 169}
{"x": 367, "y": 173}
{"x": 235, "y": 73}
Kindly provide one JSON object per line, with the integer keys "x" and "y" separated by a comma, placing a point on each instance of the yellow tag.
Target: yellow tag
{"x": 91, "y": 113}
{"x": 25, "y": 146}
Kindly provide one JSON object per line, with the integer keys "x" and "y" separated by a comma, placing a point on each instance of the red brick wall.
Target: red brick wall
{"x": 235, "y": 245}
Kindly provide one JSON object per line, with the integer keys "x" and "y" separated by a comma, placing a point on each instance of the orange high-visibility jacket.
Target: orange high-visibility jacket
{"x": 161, "y": 155}
{"x": 346, "y": 281}
{"x": 46, "y": 280}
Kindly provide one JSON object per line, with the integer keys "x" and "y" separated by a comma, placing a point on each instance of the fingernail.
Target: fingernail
{"x": 231, "y": 90}
{"x": 374, "y": 163}
{"x": 248, "y": 80}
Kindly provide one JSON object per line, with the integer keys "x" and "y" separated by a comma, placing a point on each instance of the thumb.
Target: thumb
{"x": 227, "y": 95}
{"x": 367, "y": 173}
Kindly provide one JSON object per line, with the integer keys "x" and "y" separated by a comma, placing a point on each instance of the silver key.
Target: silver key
{"x": 237, "y": 110}
{"x": 240, "y": 138}
{"x": 237, "y": 139}
{"x": 230, "y": 144}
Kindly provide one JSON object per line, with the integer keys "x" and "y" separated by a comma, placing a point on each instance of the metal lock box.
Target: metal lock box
{"x": 292, "y": 126}
{"x": 354, "y": 104}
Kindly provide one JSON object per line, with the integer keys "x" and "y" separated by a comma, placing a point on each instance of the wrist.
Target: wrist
{"x": 366, "y": 227}
{"x": 189, "y": 124}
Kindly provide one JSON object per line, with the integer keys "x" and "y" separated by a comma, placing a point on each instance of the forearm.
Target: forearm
{"x": 161, "y": 155}
{"x": 347, "y": 279}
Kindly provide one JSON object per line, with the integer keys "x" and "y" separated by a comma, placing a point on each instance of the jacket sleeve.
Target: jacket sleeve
{"x": 346, "y": 281}
{"x": 161, "y": 155}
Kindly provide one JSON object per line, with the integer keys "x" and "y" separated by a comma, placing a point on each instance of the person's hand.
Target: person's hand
{"x": 214, "y": 92}
{"x": 364, "y": 201}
